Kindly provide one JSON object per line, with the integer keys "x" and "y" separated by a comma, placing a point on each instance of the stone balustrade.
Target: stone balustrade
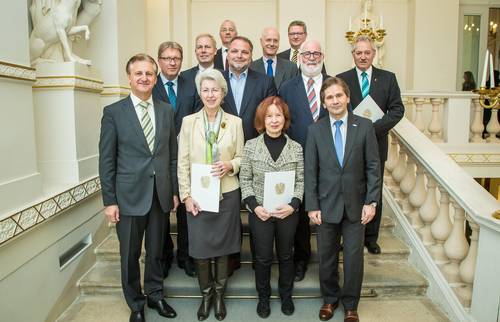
{"x": 435, "y": 200}
{"x": 443, "y": 117}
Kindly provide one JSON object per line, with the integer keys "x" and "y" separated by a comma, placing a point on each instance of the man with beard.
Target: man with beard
{"x": 302, "y": 96}
{"x": 270, "y": 64}
{"x": 227, "y": 32}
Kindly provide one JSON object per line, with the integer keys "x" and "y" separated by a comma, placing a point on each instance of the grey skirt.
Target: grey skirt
{"x": 214, "y": 234}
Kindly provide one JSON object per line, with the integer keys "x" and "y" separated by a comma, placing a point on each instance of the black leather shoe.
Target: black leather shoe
{"x": 300, "y": 271}
{"x": 137, "y": 316}
{"x": 287, "y": 306}
{"x": 163, "y": 308}
{"x": 166, "y": 267}
{"x": 188, "y": 267}
{"x": 263, "y": 308}
{"x": 373, "y": 248}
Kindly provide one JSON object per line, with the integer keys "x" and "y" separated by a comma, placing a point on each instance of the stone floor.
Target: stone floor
{"x": 114, "y": 309}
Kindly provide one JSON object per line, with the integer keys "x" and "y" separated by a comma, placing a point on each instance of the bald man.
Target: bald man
{"x": 270, "y": 64}
{"x": 227, "y": 32}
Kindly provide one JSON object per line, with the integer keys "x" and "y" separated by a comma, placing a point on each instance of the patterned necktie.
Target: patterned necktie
{"x": 226, "y": 63}
{"x": 294, "y": 55}
{"x": 147, "y": 126}
{"x": 311, "y": 97}
{"x": 171, "y": 95}
{"x": 365, "y": 86}
{"x": 339, "y": 145}
{"x": 269, "y": 67}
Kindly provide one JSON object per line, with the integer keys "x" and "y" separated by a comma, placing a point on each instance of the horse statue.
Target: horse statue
{"x": 55, "y": 24}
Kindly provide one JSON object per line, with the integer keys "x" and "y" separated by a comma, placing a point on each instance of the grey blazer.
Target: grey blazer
{"x": 285, "y": 70}
{"x": 257, "y": 161}
{"x": 127, "y": 168}
{"x": 332, "y": 187}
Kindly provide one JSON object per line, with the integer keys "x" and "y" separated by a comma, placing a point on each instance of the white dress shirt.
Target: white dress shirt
{"x": 318, "y": 81}
{"x": 264, "y": 59}
{"x": 224, "y": 51}
{"x": 138, "y": 109}
{"x": 360, "y": 78}
{"x": 164, "y": 81}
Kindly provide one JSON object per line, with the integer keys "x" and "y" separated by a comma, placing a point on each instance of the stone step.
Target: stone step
{"x": 114, "y": 309}
{"x": 392, "y": 249}
{"x": 381, "y": 279}
{"x": 387, "y": 223}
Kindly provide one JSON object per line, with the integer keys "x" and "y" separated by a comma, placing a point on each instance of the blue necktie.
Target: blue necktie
{"x": 171, "y": 95}
{"x": 339, "y": 145}
{"x": 269, "y": 67}
{"x": 365, "y": 86}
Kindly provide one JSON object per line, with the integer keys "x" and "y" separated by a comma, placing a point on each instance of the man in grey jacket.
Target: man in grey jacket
{"x": 138, "y": 172}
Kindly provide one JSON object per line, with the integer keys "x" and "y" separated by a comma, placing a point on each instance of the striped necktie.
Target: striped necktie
{"x": 365, "y": 86}
{"x": 311, "y": 97}
{"x": 147, "y": 125}
{"x": 294, "y": 55}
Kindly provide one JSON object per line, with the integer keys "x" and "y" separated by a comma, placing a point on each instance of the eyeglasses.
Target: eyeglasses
{"x": 227, "y": 30}
{"x": 207, "y": 91}
{"x": 292, "y": 34}
{"x": 314, "y": 54}
{"x": 171, "y": 59}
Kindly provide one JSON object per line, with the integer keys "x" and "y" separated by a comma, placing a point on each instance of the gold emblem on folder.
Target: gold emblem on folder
{"x": 279, "y": 188}
{"x": 367, "y": 114}
{"x": 205, "y": 181}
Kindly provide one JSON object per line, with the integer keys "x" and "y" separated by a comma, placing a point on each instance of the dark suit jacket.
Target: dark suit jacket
{"x": 285, "y": 70}
{"x": 333, "y": 188}
{"x": 295, "y": 96}
{"x": 187, "y": 102}
{"x": 385, "y": 92}
{"x": 218, "y": 63}
{"x": 127, "y": 168}
{"x": 286, "y": 55}
{"x": 257, "y": 87}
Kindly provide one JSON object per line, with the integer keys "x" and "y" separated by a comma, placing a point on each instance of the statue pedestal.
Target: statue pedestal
{"x": 68, "y": 109}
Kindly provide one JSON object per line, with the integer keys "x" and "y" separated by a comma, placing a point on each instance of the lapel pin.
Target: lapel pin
{"x": 354, "y": 124}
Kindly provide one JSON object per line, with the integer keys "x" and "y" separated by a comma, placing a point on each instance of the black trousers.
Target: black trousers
{"x": 373, "y": 227}
{"x": 182, "y": 237}
{"x": 328, "y": 252}
{"x": 130, "y": 231}
{"x": 302, "y": 242}
{"x": 264, "y": 234}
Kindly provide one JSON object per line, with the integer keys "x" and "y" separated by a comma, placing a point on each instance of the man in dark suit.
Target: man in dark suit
{"x": 297, "y": 34}
{"x": 246, "y": 89}
{"x": 383, "y": 87}
{"x": 205, "y": 52}
{"x": 227, "y": 32}
{"x": 138, "y": 172}
{"x": 342, "y": 187}
{"x": 302, "y": 97}
{"x": 270, "y": 64}
{"x": 180, "y": 95}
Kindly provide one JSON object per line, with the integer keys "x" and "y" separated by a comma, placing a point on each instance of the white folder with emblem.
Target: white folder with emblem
{"x": 278, "y": 189}
{"x": 369, "y": 109}
{"x": 205, "y": 188}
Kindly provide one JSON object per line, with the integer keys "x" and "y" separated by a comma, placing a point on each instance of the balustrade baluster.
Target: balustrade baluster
{"x": 435, "y": 126}
{"x": 441, "y": 229}
{"x": 428, "y": 212}
{"x": 392, "y": 160}
{"x": 399, "y": 173}
{"x": 417, "y": 198}
{"x": 477, "y": 126}
{"x": 493, "y": 127}
{"x": 468, "y": 266}
{"x": 455, "y": 247}
{"x": 418, "y": 120}
{"x": 407, "y": 185}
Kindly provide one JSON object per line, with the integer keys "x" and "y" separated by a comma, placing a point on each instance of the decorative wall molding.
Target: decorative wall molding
{"x": 115, "y": 90}
{"x": 24, "y": 220}
{"x": 19, "y": 72}
{"x": 475, "y": 158}
{"x": 70, "y": 82}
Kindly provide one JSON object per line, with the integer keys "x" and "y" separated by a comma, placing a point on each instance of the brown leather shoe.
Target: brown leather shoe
{"x": 351, "y": 316}
{"x": 327, "y": 310}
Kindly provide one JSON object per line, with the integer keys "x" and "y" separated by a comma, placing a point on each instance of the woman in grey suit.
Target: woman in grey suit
{"x": 272, "y": 151}
{"x": 214, "y": 137}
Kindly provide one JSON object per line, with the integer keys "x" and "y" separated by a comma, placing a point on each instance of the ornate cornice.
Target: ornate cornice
{"x": 115, "y": 90}
{"x": 475, "y": 158}
{"x": 19, "y": 72}
{"x": 24, "y": 220}
{"x": 70, "y": 82}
